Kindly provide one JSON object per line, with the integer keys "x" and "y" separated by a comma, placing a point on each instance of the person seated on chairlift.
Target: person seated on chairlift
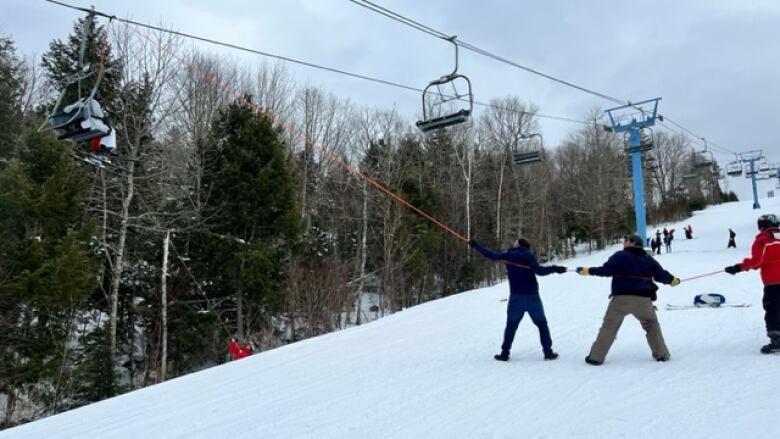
{"x": 94, "y": 118}
{"x": 104, "y": 145}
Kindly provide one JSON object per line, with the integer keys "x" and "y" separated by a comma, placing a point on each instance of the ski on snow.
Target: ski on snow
{"x": 670, "y": 307}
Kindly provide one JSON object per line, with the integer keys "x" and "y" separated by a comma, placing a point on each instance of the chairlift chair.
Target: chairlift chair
{"x": 645, "y": 141}
{"x": 441, "y": 97}
{"x": 524, "y": 158}
{"x": 764, "y": 167}
{"x": 703, "y": 159}
{"x": 534, "y": 155}
{"x": 82, "y": 120}
{"x": 734, "y": 169}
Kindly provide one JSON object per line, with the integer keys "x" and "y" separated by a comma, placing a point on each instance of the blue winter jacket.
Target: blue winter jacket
{"x": 521, "y": 280}
{"x": 633, "y": 272}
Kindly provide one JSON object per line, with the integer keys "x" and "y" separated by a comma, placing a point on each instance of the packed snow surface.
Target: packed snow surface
{"x": 429, "y": 371}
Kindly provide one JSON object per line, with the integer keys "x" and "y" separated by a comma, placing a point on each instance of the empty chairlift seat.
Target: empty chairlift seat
{"x": 734, "y": 169}
{"x": 442, "y": 96}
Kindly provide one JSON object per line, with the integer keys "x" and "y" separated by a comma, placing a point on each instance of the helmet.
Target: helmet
{"x": 767, "y": 220}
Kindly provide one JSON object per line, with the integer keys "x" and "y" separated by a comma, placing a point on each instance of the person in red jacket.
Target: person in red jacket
{"x": 765, "y": 256}
{"x": 237, "y": 351}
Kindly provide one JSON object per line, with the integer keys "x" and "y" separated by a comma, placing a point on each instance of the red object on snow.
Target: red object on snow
{"x": 237, "y": 351}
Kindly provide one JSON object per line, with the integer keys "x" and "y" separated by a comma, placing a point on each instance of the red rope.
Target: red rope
{"x": 700, "y": 276}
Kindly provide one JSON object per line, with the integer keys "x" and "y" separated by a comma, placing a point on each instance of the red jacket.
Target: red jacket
{"x": 237, "y": 351}
{"x": 765, "y": 255}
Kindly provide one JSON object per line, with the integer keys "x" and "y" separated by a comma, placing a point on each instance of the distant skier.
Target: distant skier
{"x": 732, "y": 242}
{"x": 653, "y": 245}
{"x": 522, "y": 268}
{"x": 765, "y": 256}
{"x": 239, "y": 352}
{"x": 658, "y": 242}
{"x": 668, "y": 243}
{"x": 688, "y": 232}
{"x": 633, "y": 273}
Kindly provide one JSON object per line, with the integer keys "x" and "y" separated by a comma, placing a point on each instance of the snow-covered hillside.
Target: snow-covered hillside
{"x": 429, "y": 371}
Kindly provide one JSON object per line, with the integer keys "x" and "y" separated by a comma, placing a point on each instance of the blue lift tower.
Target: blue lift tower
{"x": 752, "y": 157}
{"x": 634, "y": 129}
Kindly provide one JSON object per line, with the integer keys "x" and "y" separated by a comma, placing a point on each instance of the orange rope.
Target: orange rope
{"x": 348, "y": 167}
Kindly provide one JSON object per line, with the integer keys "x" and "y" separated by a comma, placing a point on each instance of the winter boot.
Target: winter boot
{"x": 593, "y": 362}
{"x": 663, "y": 358}
{"x": 550, "y": 355}
{"x": 773, "y": 346}
{"x": 503, "y": 356}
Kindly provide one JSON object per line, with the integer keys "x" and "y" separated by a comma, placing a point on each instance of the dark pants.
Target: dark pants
{"x": 518, "y": 305}
{"x": 772, "y": 310}
{"x": 732, "y": 243}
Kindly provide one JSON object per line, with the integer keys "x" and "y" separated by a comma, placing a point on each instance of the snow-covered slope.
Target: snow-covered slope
{"x": 429, "y": 371}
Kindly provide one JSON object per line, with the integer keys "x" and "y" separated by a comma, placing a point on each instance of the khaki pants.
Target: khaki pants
{"x": 619, "y": 307}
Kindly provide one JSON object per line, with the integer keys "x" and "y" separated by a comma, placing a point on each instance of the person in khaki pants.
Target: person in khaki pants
{"x": 634, "y": 273}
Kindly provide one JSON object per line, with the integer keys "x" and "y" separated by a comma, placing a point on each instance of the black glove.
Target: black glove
{"x": 733, "y": 269}
{"x": 561, "y": 269}
{"x": 472, "y": 243}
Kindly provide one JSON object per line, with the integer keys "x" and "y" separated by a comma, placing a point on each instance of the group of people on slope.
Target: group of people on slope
{"x": 656, "y": 243}
{"x": 634, "y": 274}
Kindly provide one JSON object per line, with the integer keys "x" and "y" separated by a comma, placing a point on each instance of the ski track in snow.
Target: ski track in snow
{"x": 428, "y": 371}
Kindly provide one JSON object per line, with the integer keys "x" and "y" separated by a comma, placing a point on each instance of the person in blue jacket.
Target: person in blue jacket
{"x": 634, "y": 273}
{"x": 522, "y": 268}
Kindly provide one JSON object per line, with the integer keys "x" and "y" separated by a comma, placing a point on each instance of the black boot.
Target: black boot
{"x": 772, "y": 347}
{"x": 550, "y": 355}
{"x": 503, "y": 356}
{"x": 593, "y": 362}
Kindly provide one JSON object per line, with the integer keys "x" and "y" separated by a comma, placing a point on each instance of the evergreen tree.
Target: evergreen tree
{"x": 46, "y": 269}
{"x": 11, "y": 69}
{"x": 254, "y": 225}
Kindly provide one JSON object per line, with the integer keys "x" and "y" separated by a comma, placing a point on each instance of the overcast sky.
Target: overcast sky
{"x": 715, "y": 63}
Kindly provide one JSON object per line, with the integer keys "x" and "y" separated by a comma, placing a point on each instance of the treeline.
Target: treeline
{"x": 226, "y": 214}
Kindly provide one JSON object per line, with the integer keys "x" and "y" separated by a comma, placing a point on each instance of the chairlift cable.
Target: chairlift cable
{"x": 303, "y": 63}
{"x": 431, "y": 31}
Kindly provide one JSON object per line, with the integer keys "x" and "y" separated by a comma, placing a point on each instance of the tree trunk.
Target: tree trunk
{"x": 363, "y": 256}
{"x": 116, "y": 275}
{"x": 164, "y": 309}
{"x": 10, "y": 405}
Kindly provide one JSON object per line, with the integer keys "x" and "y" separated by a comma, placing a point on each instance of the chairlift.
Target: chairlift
{"x": 764, "y": 167}
{"x": 533, "y": 155}
{"x": 524, "y": 158}
{"x": 82, "y": 120}
{"x": 703, "y": 159}
{"x": 734, "y": 169}
{"x": 773, "y": 171}
{"x": 645, "y": 141}
{"x": 441, "y": 97}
